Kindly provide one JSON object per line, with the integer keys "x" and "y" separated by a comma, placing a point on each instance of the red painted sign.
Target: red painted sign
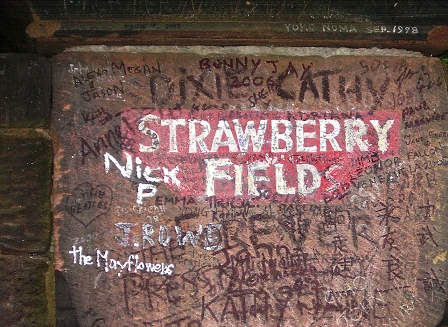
{"x": 252, "y": 154}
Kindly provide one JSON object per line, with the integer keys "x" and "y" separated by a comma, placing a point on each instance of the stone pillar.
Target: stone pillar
{"x": 27, "y": 273}
{"x": 251, "y": 186}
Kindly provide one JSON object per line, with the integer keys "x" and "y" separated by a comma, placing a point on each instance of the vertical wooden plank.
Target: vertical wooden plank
{"x": 203, "y": 187}
{"x": 25, "y": 191}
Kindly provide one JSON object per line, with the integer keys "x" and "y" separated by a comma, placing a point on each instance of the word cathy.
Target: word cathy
{"x": 132, "y": 263}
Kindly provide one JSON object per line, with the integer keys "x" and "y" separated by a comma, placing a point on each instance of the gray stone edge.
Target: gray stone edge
{"x": 250, "y": 50}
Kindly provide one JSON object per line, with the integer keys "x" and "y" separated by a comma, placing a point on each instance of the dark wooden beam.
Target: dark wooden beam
{"x": 49, "y": 27}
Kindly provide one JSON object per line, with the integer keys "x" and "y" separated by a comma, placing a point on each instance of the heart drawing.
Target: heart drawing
{"x": 86, "y": 203}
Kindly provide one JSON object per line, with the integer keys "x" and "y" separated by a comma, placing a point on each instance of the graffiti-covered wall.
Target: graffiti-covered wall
{"x": 251, "y": 186}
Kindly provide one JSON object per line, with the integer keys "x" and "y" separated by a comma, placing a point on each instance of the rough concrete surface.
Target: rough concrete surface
{"x": 24, "y": 285}
{"x": 212, "y": 189}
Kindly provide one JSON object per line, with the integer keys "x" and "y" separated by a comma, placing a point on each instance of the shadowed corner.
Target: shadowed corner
{"x": 444, "y": 322}
{"x": 65, "y": 310}
{"x": 444, "y": 59}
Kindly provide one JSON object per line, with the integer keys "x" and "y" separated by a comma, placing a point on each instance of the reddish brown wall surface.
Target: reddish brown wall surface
{"x": 27, "y": 283}
{"x": 251, "y": 186}
{"x": 48, "y": 27}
